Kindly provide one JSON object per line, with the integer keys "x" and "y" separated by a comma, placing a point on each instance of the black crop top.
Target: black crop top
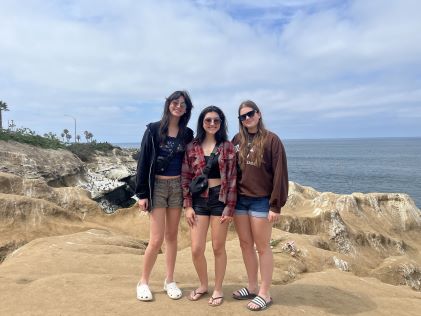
{"x": 174, "y": 166}
{"x": 214, "y": 172}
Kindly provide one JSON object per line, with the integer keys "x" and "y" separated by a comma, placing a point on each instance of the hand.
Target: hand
{"x": 225, "y": 218}
{"x": 143, "y": 205}
{"x": 191, "y": 216}
{"x": 273, "y": 217}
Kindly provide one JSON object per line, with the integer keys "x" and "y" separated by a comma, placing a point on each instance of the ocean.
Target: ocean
{"x": 362, "y": 165}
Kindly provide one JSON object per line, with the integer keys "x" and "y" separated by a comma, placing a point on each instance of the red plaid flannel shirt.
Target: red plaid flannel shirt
{"x": 193, "y": 165}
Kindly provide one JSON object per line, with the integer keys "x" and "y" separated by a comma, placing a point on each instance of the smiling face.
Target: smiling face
{"x": 178, "y": 107}
{"x": 249, "y": 118}
{"x": 211, "y": 123}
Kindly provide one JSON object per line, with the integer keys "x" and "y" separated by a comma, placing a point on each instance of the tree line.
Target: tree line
{"x": 66, "y": 135}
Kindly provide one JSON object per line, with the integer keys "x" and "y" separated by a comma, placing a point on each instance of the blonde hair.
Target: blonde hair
{"x": 257, "y": 142}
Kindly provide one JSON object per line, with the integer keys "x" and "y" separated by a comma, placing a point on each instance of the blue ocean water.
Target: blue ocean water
{"x": 357, "y": 165}
{"x": 354, "y": 165}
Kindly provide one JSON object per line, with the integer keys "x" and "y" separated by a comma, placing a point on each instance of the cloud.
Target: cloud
{"x": 111, "y": 64}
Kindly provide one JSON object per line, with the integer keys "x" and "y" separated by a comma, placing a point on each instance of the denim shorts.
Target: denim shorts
{"x": 209, "y": 206}
{"x": 167, "y": 193}
{"x": 252, "y": 206}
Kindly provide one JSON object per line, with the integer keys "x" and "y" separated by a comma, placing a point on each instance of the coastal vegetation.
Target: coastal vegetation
{"x": 28, "y": 136}
{"x": 51, "y": 141}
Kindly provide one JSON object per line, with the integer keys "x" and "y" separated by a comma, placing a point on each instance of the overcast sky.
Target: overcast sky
{"x": 317, "y": 69}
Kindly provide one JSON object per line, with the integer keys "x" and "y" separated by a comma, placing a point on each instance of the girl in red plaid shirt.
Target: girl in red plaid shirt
{"x": 215, "y": 206}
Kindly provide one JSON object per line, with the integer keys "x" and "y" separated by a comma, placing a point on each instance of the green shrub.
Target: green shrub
{"x": 83, "y": 150}
{"x": 27, "y": 136}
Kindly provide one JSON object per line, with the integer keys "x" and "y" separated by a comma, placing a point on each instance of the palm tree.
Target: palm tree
{"x": 69, "y": 137}
{"x": 78, "y": 138}
{"x": 66, "y": 133}
{"x": 88, "y": 136}
{"x": 62, "y": 136}
{"x": 3, "y": 107}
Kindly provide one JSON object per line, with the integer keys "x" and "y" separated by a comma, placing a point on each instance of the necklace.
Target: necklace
{"x": 250, "y": 138}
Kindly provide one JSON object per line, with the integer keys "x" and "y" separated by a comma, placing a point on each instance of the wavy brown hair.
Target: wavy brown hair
{"x": 258, "y": 140}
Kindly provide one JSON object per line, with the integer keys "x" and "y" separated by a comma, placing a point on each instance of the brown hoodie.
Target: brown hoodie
{"x": 271, "y": 178}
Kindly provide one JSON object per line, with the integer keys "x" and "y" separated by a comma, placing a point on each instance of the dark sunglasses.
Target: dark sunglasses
{"x": 215, "y": 121}
{"x": 249, "y": 114}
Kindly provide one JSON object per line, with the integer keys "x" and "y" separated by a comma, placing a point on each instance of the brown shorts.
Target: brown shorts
{"x": 167, "y": 193}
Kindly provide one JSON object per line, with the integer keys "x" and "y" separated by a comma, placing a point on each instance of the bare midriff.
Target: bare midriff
{"x": 214, "y": 182}
{"x": 167, "y": 177}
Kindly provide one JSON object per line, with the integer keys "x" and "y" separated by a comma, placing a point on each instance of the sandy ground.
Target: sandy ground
{"x": 95, "y": 273}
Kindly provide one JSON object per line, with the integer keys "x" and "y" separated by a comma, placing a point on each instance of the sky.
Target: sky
{"x": 317, "y": 69}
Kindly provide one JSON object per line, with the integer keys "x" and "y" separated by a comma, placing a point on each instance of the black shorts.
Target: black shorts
{"x": 209, "y": 206}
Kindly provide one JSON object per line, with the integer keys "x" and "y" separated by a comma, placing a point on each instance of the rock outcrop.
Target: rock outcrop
{"x": 105, "y": 176}
{"x": 374, "y": 234}
{"x": 108, "y": 178}
{"x": 32, "y": 162}
{"x": 30, "y": 209}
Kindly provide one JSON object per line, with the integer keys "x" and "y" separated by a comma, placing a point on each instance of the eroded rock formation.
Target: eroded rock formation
{"x": 105, "y": 176}
{"x": 375, "y": 234}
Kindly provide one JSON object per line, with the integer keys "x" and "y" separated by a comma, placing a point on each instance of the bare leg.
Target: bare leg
{"x": 171, "y": 233}
{"x": 243, "y": 228}
{"x": 219, "y": 235}
{"x": 156, "y": 237}
{"x": 262, "y": 230}
{"x": 198, "y": 244}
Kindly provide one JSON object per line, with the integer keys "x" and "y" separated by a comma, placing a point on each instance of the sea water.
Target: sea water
{"x": 357, "y": 165}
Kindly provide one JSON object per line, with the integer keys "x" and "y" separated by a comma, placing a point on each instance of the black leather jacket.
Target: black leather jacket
{"x": 145, "y": 174}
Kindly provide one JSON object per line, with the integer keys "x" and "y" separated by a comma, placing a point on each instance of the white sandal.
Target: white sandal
{"x": 172, "y": 290}
{"x": 143, "y": 292}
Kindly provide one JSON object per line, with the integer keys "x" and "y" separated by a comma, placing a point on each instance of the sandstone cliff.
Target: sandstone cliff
{"x": 33, "y": 162}
{"x": 105, "y": 176}
{"x": 373, "y": 234}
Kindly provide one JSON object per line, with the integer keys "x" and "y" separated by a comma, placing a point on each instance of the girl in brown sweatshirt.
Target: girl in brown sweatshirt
{"x": 262, "y": 183}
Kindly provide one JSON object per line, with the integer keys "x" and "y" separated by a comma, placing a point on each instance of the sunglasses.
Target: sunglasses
{"x": 215, "y": 121}
{"x": 176, "y": 103}
{"x": 249, "y": 114}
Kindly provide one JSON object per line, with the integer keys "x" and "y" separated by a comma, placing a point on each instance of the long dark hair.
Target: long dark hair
{"x": 184, "y": 120}
{"x": 258, "y": 140}
{"x": 221, "y": 135}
